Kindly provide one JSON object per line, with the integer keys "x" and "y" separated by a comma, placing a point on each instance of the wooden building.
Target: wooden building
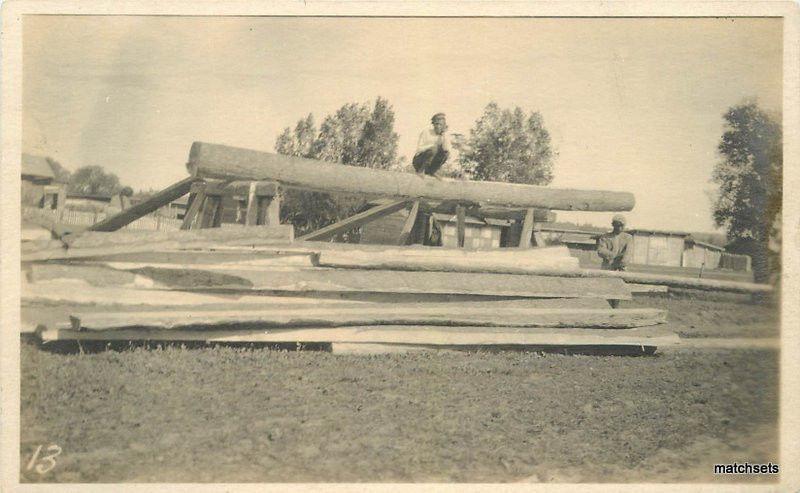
{"x": 39, "y": 187}
{"x": 680, "y": 249}
{"x": 478, "y": 233}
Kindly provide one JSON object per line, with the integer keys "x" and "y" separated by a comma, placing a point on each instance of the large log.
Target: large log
{"x": 157, "y": 201}
{"x": 379, "y": 281}
{"x": 231, "y": 163}
{"x": 444, "y": 314}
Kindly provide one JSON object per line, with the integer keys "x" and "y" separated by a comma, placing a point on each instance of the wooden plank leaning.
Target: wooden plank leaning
{"x": 157, "y": 201}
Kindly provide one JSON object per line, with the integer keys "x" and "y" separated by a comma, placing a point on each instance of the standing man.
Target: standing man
{"x": 613, "y": 247}
{"x": 433, "y": 147}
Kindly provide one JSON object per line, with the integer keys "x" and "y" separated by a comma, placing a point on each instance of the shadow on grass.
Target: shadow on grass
{"x": 94, "y": 347}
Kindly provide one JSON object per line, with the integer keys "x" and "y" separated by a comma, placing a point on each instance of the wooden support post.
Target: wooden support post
{"x": 527, "y": 230}
{"x": 272, "y": 213}
{"x": 217, "y": 219}
{"x": 461, "y": 218}
{"x": 538, "y": 238}
{"x": 251, "y": 217}
{"x": 408, "y": 226}
{"x": 329, "y": 232}
{"x": 209, "y": 213}
{"x": 195, "y": 203}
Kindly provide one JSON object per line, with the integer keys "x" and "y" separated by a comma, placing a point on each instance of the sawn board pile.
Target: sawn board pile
{"x": 257, "y": 284}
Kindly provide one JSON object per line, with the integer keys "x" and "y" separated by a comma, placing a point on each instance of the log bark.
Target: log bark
{"x": 445, "y": 314}
{"x": 223, "y": 162}
{"x": 157, "y": 201}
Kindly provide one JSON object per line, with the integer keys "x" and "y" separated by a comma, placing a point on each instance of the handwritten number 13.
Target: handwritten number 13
{"x": 47, "y": 462}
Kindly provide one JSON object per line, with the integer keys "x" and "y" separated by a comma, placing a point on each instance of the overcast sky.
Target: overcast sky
{"x": 631, "y": 104}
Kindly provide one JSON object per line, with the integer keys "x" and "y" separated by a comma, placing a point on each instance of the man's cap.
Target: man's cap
{"x": 437, "y": 116}
{"x": 618, "y": 218}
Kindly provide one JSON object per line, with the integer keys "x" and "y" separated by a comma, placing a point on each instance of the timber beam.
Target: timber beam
{"x": 212, "y": 161}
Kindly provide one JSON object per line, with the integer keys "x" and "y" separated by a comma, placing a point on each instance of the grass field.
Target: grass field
{"x": 232, "y": 414}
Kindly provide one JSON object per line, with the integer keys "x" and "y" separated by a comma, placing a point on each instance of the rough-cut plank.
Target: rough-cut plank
{"x": 74, "y": 292}
{"x": 647, "y": 288}
{"x": 91, "y": 240}
{"x": 558, "y": 252}
{"x": 66, "y": 292}
{"x": 223, "y": 162}
{"x": 512, "y": 261}
{"x": 92, "y": 274}
{"x": 439, "y": 336}
{"x": 380, "y": 281}
{"x": 158, "y": 200}
{"x": 676, "y": 281}
{"x": 378, "y": 314}
{"x": 355, "y": 221}
{"x": 204, "y": 257}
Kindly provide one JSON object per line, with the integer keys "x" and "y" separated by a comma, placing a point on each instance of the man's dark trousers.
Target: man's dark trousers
{"x": 430, "y": 160}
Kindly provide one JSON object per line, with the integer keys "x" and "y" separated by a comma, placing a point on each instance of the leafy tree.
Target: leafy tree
{"x": 507, "y": 145}
{"x": 355, "y": 135}
{"x": 94, "y": 180}
{"x": 750, "y": 180}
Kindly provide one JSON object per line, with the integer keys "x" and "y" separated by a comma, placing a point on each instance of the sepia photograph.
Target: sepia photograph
{"x": 398, "y": 249}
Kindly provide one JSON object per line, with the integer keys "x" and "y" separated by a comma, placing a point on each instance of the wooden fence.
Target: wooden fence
{"x": 150, "y": 222}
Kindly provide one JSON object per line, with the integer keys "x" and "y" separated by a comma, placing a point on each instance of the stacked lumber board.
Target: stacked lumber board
{"x": 257, "y": 285}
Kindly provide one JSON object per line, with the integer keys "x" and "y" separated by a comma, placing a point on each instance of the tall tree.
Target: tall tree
{"x": 508, "y": 145}
{"x": 750, "y": 180}
{"x": 94, "y": 180}
{"x": 355, "y": 135}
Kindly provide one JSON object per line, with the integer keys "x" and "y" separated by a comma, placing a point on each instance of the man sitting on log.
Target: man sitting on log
{"x": 433, "y": 147}
{"x": 613, "y": 247}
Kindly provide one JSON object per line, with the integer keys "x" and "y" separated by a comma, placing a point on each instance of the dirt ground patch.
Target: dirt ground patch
{"x": 226, "y": 414}
{"x": 705, "y": 314}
